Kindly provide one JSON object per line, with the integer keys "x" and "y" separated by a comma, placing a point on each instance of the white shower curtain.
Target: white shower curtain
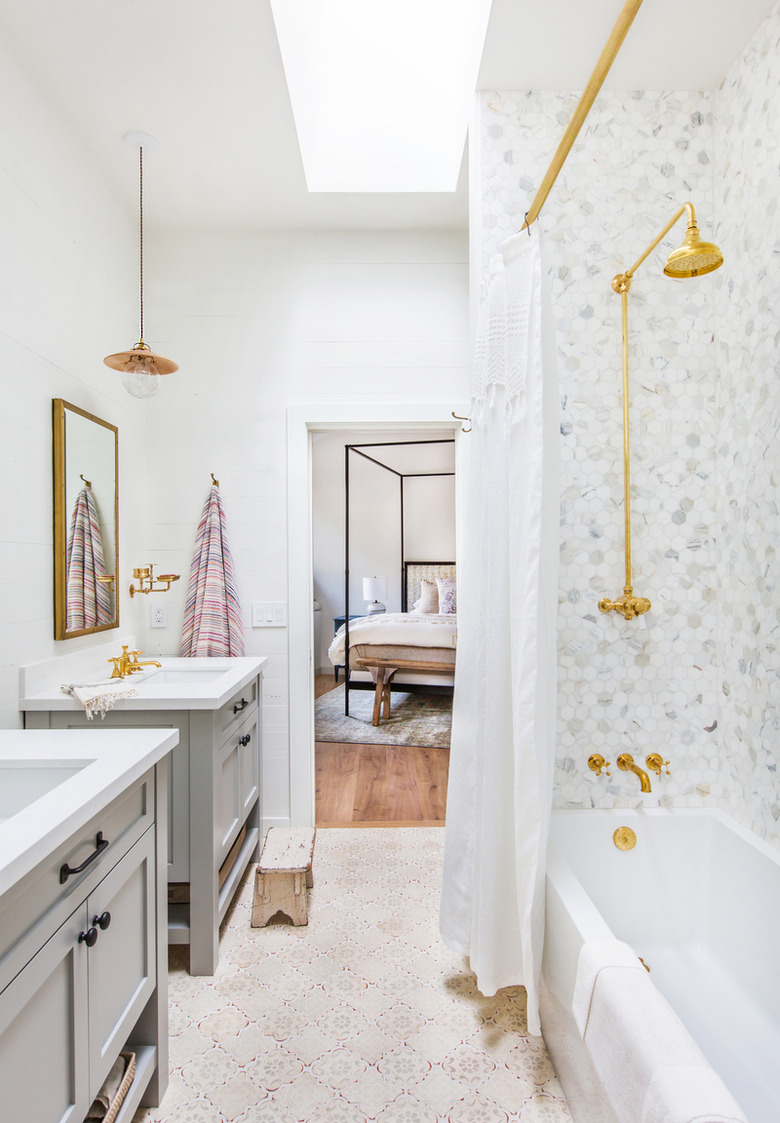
{"x": 502, "y": 753}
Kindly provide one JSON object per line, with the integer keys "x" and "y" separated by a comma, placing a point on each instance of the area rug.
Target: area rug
{"x": 415, "y": 719}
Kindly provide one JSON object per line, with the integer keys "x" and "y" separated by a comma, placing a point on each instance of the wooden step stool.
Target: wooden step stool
{"x": 283, "y": 876}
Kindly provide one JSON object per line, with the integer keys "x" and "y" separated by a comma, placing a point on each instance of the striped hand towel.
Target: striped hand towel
{"x": 212, "y": 615}
{"x": 88, "y": 602}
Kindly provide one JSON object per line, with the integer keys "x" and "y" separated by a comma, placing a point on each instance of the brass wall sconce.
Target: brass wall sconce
{"x": 147, "y": 579}
{"x": 693, "y": 258}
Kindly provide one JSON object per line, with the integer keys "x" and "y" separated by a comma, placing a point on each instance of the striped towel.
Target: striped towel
{"x": 88, "y": 601}
{"x": 212, "y": 614}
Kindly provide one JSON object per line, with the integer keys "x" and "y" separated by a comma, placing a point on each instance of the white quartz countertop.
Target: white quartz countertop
{"x": 108, "y": 762}
{"x": 180, "y": 684}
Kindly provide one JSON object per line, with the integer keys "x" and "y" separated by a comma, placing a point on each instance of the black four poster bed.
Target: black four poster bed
{"x": 417, "y": 644}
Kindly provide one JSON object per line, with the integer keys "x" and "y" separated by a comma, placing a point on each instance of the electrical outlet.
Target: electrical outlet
{"x": 158, "y": 616}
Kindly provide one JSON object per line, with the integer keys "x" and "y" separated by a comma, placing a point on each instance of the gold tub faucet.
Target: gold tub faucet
{"x": 625, "y": 763}
{"x": 124, "y": 665}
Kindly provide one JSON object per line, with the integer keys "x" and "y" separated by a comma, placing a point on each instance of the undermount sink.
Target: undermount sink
{"x": 182, "y": 676}
{"x": 22, "y": 783}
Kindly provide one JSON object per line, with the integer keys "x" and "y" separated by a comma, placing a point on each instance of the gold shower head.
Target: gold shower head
{"x": 694, "y": 257}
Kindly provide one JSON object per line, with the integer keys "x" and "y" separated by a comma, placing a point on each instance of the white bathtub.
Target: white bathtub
{"x": 698, "y": 899}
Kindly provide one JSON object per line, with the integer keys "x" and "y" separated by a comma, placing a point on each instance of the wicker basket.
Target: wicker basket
{"x": 122, "y": 1090}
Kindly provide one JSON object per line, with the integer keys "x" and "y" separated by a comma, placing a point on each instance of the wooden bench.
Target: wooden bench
{"x": 284, "y": 875}
{"x": 383, "y": 671}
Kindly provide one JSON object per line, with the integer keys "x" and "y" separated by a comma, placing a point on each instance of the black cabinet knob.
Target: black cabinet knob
{"x": 102, "y": 921}
{"x": 245, "y": 739}
{"x": 89, "y": 937}
{"x": 239, "y": 706}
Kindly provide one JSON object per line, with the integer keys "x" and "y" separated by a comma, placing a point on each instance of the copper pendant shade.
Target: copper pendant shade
{"x": 140, "y": 366}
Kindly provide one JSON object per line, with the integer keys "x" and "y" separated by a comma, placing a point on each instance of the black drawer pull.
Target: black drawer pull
{"x": 239, "y": 706}
{"x": 245, "y": 739}
{"x": 89, "y": 937}
{"x": 67, "y": 871}
{"x": 102, "y": 921}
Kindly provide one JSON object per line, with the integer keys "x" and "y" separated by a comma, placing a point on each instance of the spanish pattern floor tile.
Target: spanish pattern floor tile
{"x": 362, "y": 1016}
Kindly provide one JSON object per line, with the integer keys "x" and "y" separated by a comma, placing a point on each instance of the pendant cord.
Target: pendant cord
{"x": 141, "y": 230}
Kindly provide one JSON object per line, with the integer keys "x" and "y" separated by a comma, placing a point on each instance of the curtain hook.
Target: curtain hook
{"x": 214, "y": 480}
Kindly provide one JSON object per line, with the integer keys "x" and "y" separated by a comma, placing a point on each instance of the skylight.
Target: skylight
{"x": 381, "y": 91}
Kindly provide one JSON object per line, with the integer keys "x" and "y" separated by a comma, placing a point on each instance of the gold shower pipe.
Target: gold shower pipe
{"x": 589, "y": 95}
{"x": 693, "y": 258}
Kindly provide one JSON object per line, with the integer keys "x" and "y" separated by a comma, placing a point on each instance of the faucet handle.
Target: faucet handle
{"x": 656, "y": 763}
{"x": 116, "y": 660}
{"x": 596, "y": 763}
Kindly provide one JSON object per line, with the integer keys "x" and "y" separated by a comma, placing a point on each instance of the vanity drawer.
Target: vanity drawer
{"x": 44, "y": 900}
{"x": 235, "y": 712}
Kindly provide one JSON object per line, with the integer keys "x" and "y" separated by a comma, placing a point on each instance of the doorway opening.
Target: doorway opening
{"x": 383, "y": 506}
{"x": 358, "y": 780}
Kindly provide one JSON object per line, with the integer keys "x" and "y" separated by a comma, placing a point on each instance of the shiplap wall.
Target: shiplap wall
{"x": 67, "y": 298}
{"x": 260, "y": 322}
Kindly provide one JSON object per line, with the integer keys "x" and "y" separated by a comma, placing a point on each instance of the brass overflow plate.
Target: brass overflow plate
{"x": 624, "y": 838}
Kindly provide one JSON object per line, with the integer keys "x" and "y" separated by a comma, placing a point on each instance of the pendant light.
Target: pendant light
{"x": 140, "y": 367}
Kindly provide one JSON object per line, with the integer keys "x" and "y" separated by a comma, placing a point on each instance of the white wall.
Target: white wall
{"x": 261, "y": 322}
{"x": 67, "y": 298}
{"x": 375, "y": 522}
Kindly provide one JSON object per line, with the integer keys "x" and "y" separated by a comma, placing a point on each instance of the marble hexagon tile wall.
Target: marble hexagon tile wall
{"x": 747, "y": 185}
{"x": 622, "y": 686}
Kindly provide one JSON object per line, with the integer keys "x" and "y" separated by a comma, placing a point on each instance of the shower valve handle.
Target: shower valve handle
{"x": 656, "y": 763}
{"x": 596, "y": 763}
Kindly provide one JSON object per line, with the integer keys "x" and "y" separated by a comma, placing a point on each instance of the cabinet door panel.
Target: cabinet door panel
{"x": 44, "y": 1032}
{"x": 249, "y": 754}
{"x": 122, "y": 962}
{"x": 227, "y": 802}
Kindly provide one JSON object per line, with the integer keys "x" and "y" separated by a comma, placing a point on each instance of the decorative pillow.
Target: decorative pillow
{"x": 447, "y": 599}
{"x": 429, "y": 598}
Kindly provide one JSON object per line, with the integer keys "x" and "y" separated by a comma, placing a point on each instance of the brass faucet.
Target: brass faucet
{"x": 124, "y": 665}
{"x": 625, "y": 763}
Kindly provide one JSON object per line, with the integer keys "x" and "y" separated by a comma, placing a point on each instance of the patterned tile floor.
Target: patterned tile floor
{"x": 362, "y": 1015}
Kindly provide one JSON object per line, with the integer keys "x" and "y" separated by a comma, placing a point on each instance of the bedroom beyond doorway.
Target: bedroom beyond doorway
{"x": 384, "y": 624}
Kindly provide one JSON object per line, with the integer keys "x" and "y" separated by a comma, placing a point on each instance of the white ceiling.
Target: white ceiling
{"x": 205, "y": 78}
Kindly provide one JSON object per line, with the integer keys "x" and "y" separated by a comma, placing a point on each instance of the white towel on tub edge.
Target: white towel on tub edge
{"x": 636, "y": 1042}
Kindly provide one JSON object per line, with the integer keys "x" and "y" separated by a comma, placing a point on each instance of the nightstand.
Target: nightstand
{"x": 338, "y": 622}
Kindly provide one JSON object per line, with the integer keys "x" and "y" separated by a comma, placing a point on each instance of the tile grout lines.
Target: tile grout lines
{"x": 363, "y": 1015}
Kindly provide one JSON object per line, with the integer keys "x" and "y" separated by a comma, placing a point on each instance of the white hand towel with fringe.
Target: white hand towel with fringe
{"x": 99, "y": 697}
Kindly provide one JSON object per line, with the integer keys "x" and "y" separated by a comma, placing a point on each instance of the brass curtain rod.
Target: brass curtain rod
{"x": 596, "y": 81}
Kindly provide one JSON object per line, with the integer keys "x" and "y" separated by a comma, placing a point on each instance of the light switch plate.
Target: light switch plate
{"x": 269, "y": 614}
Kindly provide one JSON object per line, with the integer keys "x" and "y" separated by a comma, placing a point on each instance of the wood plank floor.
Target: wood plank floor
{"x": 378, "y": 785}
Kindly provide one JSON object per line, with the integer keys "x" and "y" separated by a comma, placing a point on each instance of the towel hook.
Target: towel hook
{"x": 87, "y": 482}
{"x": 458, "y": 417}
{"x": 214, "y": 480}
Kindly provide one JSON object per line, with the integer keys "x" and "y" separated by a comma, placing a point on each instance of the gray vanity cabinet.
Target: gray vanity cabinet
{"x": 214, "y": 793}
{"x": 77, "y": 1002}
{"x": 48, "y": 1003}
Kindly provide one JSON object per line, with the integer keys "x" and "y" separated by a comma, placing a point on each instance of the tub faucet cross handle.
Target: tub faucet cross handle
{"x": 596, "y": 763}
{"x": 656, "y": 763}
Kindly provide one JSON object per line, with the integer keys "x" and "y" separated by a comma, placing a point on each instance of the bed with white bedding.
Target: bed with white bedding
{"x": 425, "y": 634}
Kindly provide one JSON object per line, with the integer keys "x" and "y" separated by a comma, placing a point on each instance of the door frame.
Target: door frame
{"x": 302, "y": 422}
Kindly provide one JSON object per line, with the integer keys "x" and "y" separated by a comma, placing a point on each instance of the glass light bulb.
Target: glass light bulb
{"x": 141, "y": 377}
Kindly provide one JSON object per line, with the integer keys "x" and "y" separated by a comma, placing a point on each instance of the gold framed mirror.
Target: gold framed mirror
{"x": 86, "y": 522}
